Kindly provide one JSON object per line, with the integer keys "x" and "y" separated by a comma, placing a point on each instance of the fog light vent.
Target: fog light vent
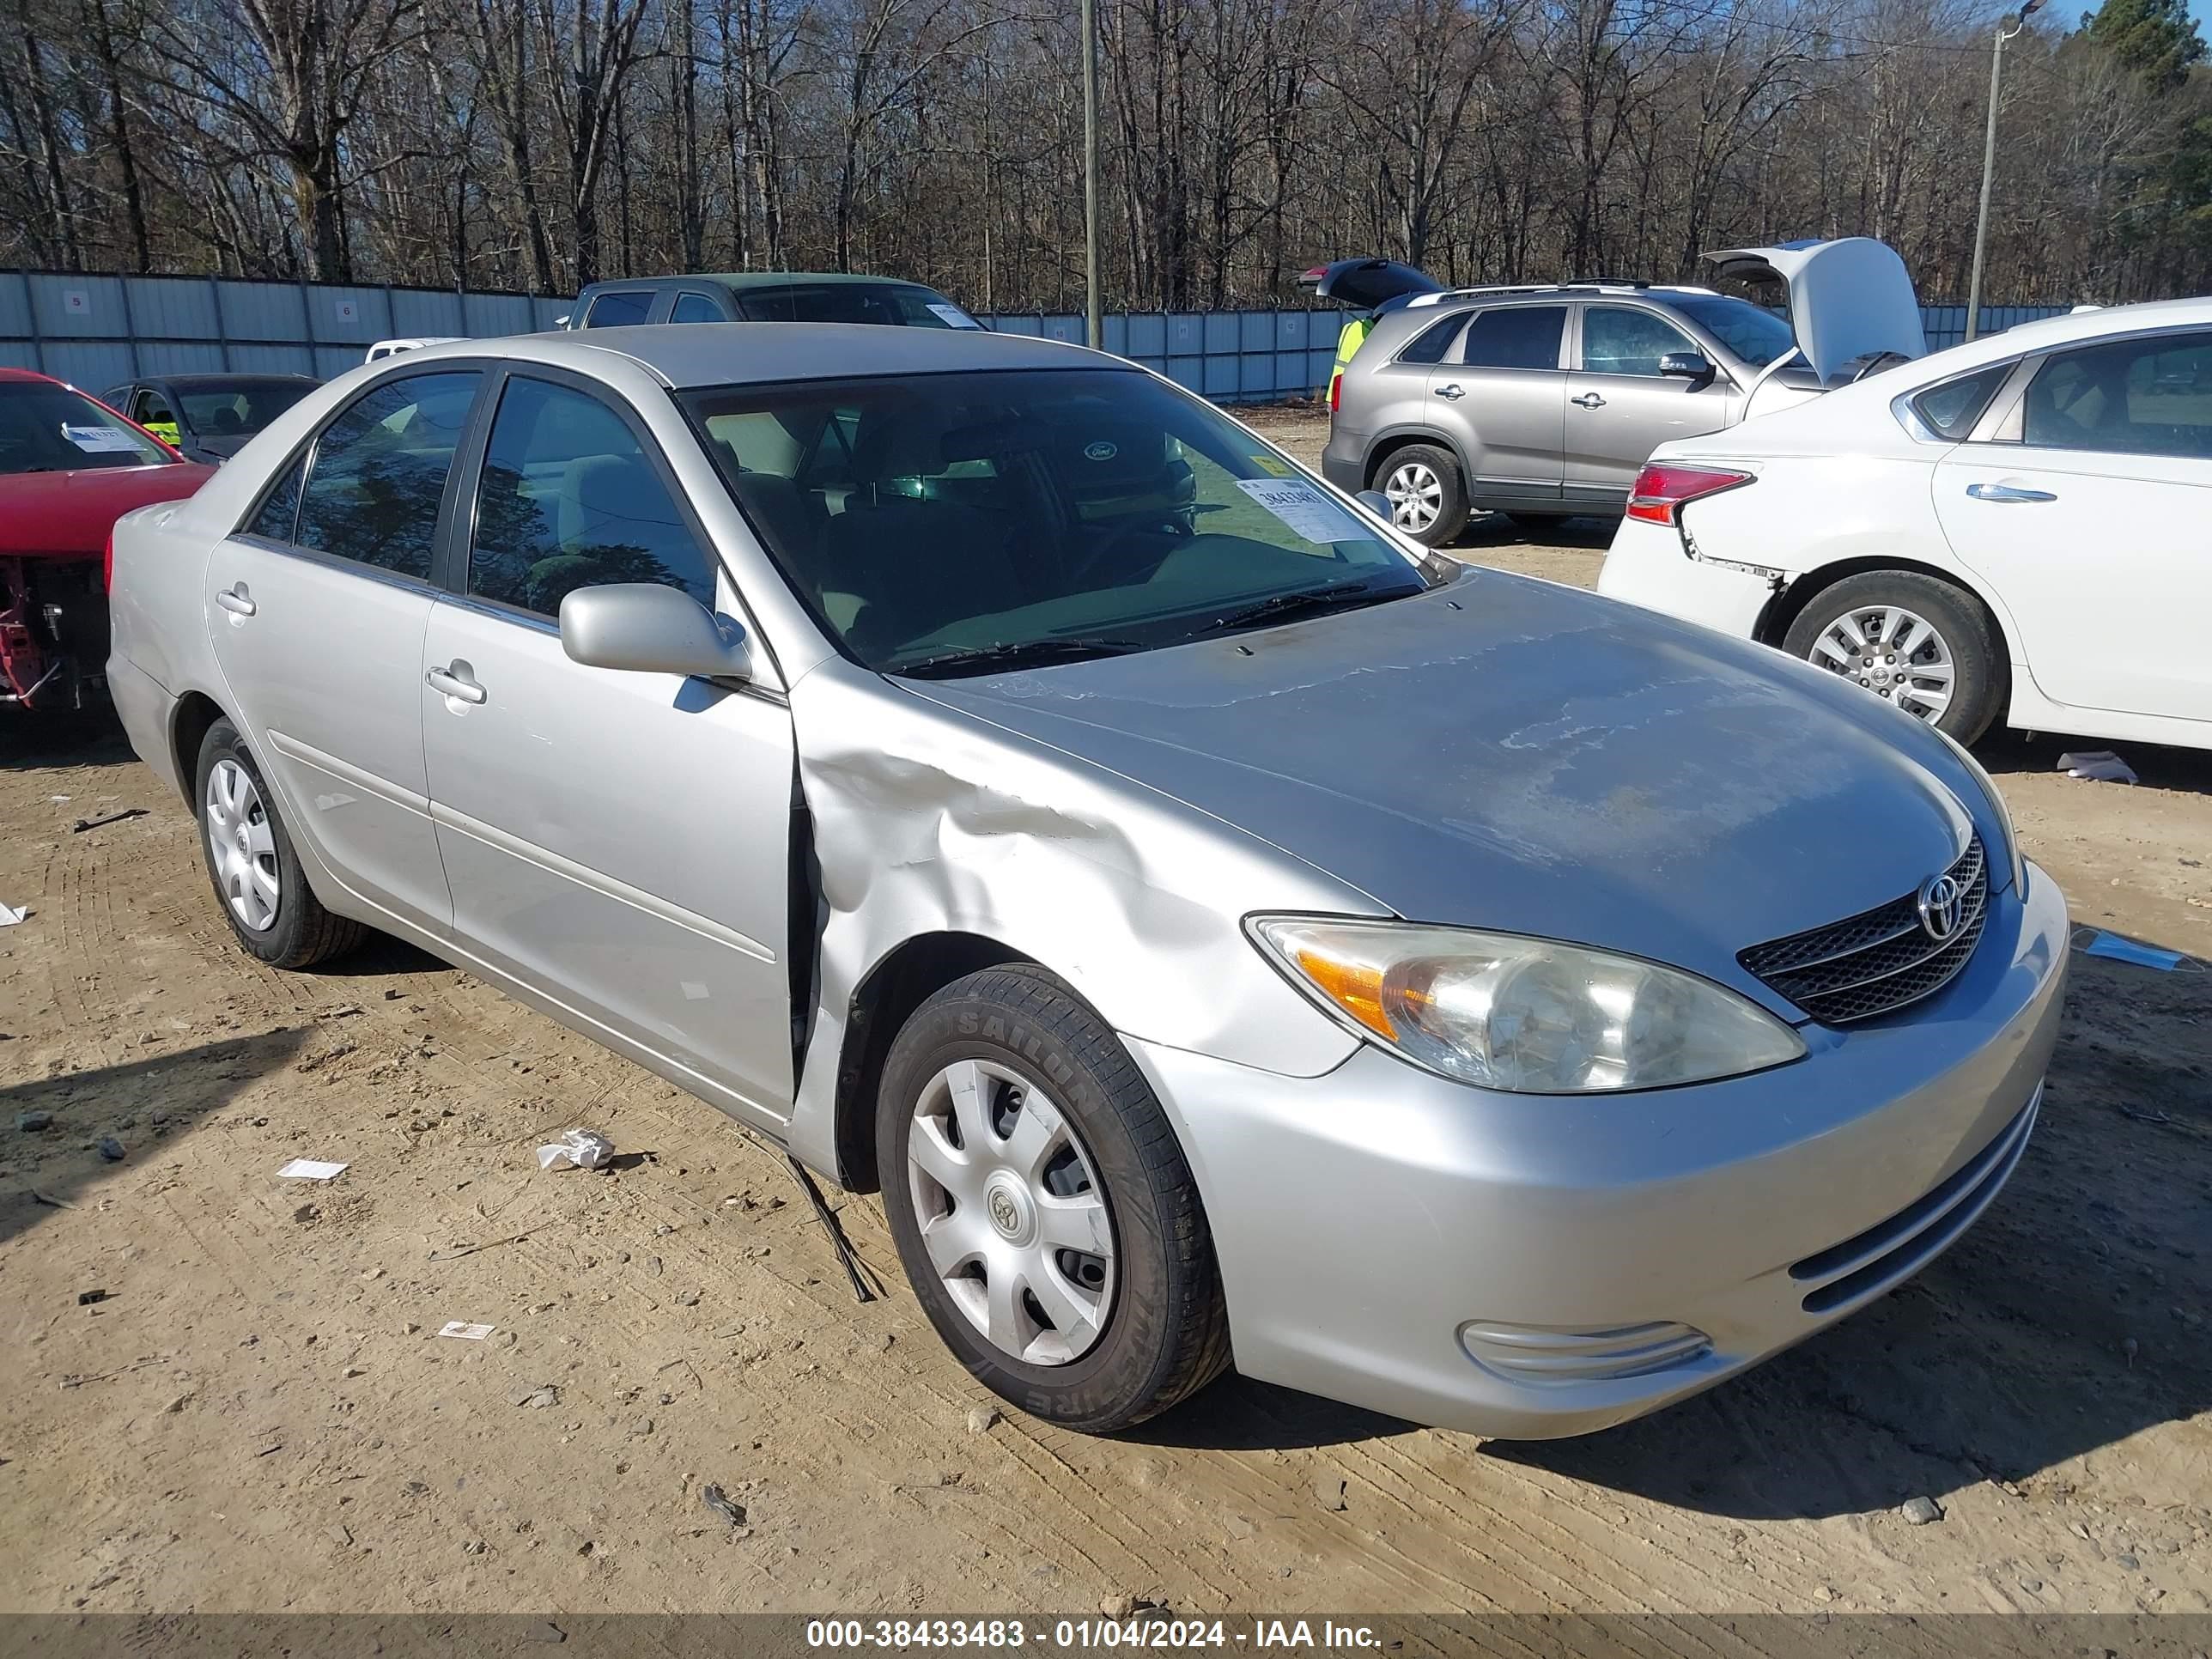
{"x": 1535, "y": 1353}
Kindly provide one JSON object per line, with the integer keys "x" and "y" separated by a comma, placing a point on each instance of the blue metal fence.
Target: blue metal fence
{"x": 101, "y": 330}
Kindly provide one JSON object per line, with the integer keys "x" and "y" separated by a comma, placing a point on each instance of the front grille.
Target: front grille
{"x": 1878, "y": 960}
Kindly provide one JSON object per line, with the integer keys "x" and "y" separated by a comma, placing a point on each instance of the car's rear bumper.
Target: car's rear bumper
{"x": 1527, "y": 1266}
{"x": 1648, "y": 565}
{"x": 1344, "y": 462}
{"x": 147, "y": 713}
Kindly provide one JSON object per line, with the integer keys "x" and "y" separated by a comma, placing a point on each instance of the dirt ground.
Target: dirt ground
{"x": 260, "y": 1414}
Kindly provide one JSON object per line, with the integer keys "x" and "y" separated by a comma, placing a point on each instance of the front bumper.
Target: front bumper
{"x": 1378, "y": 1226}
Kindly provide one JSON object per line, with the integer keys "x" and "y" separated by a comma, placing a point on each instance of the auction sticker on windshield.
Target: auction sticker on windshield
{"x": 1307, "y": 512}
{"x": 955, "y": 316}
{"x": 99, "y": 439}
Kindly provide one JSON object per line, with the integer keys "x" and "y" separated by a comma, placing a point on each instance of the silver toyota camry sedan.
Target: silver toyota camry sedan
{"x": 1224, "y": 932}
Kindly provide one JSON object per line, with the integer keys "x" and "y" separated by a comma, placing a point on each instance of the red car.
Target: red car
{"x": 69, "y": 467}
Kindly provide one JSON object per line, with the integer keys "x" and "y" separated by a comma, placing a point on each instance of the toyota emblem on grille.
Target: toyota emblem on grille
{"x": 1943, "y": 907}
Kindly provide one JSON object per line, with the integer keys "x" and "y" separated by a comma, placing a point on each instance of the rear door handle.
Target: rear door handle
{"x": 1587, "y": 400}
{"x": 2005, "y": 492}
{"x": 456, "y": 683}
{"x": 235, "y": 600}
{"x": 1453, "y": 390}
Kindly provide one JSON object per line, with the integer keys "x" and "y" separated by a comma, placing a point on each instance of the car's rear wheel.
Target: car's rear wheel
{"x": 257, "y": 875}
{"x": 1427, "y": 496}
{"x": 1043, "y": 1208}
{"x": 1916, "y": 641}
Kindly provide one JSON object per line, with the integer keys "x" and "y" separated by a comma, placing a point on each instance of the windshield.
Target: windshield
{"x": 237, "y": 406}
{"x": 1756, "y": 336}
{"x": 48, "y": 427}
{"x": 1002, "y": 516}
{"x": 896, "y": 303}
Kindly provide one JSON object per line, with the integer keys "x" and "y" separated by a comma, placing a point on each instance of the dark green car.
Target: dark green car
{"x": 766, "y": 297}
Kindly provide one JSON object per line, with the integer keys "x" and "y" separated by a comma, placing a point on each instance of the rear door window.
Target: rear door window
{"x": 619, "y": 307}
{"x": 1515, "y": 336}
{"x": 379, "y": 472}
{"x": 2150, "y": 396}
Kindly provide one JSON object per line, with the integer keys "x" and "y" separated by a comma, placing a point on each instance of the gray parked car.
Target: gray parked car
{"x": 1223, "y": 930}
{"x": 1543, "y": 402}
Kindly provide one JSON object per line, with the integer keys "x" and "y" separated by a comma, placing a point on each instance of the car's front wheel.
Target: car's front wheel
{"x": 1043, "y": 1208}
{"x": 1915, "y": 640}
{"x": 1427, "y": 496}
{"x": 257, "y": 874}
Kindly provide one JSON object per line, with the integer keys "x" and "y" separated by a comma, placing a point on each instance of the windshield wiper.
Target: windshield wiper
{"x": 1337, "y": 596}
{"x": 1028, "y": 653}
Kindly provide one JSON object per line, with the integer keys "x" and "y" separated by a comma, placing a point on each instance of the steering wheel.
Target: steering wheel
{"x": 1103, "y": 554}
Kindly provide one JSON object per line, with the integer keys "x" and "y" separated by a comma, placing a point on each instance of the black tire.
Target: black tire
{"x": 1978, "y": 658}
{"x": 1451, "y": 507}
{"x": 302, "y": 933}
{"x": 1165, "y": 1333}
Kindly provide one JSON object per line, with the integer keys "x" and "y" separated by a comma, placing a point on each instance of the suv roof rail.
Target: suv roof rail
{"x": 1594, "y": 285}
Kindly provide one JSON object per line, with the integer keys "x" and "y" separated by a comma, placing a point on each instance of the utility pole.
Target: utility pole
{"x": 2011, "y": 26}
{"x": 1094, "y": 318}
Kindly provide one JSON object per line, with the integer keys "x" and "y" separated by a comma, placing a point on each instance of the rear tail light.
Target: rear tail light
{"x": 1661, "y": 489}
{"x": 107, "y": 565}
{"x": 1335, "y": 392}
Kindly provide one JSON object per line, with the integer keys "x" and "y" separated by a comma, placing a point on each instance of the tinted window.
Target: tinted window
{"x": 695, "y": 308}
{"x": 49, "y": 428}
{"x": 1434, "y": 341}
{"x": 280, "y": 509}
{"x": 1951, "y": 410}
{"x": 1517, "y": 336}
{"x": 2130, "y": 397}
{"x": 613, "y": 310}
{"x": 1075, "y": 511}
{"x": 1618, "y": 341}
{"x": 570, "y": 500}
{"x": 853, "y": 302}
{"x": 230, "y": 409}
{"x": 380, "y": 468}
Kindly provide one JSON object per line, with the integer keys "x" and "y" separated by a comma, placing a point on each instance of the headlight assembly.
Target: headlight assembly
{"x": 1527, "y": 1015}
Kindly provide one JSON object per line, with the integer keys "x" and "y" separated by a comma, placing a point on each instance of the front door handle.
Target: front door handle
{"x": 1587, "y": 400}
{"x": 1452, "y": 389}
{"x": 236, "y": 600}
{"x": 2005, "y": 492}
{"x": 456, "y": 683}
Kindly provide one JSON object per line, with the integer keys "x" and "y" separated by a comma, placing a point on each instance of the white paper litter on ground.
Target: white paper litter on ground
{"x": 11, "y": 913}
{"x": 2096, "y": 766}
{"x": 467, "y": 1333}
{"x": 580, "y": 1149}
{"x": 309, "y": 1169}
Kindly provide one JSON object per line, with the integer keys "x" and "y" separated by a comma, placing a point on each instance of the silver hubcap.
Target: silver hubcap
{"x": 1416, "y": 496}
{"x": 1013, "y": 1219}
{"x": 242, "y": 847}
{"x": 1894, "y": 653}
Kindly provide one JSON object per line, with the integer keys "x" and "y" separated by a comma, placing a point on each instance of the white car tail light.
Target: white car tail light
{"x": 1661, "y": 489}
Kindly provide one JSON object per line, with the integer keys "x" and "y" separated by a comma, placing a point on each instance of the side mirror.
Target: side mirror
{"x": 1693, "y": 366}
{"x": 1377, "y": 503}
{"x": 646, "y": 629}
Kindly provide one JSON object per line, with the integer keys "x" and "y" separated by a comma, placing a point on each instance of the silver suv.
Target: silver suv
{"x": 1539, "y": 403}
{"x": 1544, "y": 402}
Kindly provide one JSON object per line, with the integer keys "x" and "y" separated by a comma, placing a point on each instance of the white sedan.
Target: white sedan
{"x": 2017, "y": 529}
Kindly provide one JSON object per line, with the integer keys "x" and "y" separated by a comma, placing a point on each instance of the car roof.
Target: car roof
{"x": 685, "y": 354}
{"x": 1512, "y": 291}
{"x": 740, "y": 280}
{"x": 235, "y": 377}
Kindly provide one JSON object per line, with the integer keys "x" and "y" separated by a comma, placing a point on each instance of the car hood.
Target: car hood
{"x": 1510, "y": 754}
{"x": 69, "y": 514}
{"x": 1849, "y": 298}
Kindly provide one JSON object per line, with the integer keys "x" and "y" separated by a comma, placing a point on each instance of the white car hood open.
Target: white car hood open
{"x": 1848, "y": 297}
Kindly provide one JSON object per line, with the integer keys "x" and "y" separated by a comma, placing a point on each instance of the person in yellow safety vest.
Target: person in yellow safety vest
{"x": 162, "y": 424}
{"x": 1355, "y": 329}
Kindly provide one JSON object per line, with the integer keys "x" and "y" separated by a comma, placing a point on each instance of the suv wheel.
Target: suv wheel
{"x": 1918, "y": 641}
{"x": 257, "y": 879}
{"x": 1428, "y": 498}
{"x": 1042, "y": 1207}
